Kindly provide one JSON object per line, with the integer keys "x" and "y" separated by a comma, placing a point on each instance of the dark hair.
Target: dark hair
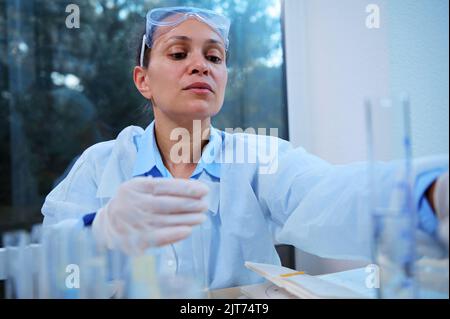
{"x": 147, "y": 50}
{"x": 134, "y": 46}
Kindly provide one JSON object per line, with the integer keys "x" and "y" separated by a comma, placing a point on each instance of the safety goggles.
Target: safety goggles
{"x": 173, "y": 16}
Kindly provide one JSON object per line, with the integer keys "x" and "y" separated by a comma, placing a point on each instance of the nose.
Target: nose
{"x": 199, "y": 65}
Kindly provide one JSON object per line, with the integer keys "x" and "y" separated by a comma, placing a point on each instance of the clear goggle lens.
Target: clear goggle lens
{"x": 173, "y": 16}
{"x": 167, "y": 17}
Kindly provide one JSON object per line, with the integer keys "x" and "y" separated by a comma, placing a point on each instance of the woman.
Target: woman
{"x": 149, "y": 188}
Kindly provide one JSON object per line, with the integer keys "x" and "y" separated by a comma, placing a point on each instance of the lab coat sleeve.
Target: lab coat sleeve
{"x": 75, "y": 196}
{"x": 322, "y": 208}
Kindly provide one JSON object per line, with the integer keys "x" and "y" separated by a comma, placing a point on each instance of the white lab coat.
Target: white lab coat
{"x": 309, "y": 203}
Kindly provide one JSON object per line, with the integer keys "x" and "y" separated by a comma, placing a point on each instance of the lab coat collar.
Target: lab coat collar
{"x": 119, "y": 166}
{"x": 145, "y": 159}
{"x": 148, "y": 157}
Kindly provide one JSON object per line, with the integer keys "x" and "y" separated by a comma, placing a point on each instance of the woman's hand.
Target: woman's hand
{"x": 438, "y": 195}
{"x": 150, "y": 212}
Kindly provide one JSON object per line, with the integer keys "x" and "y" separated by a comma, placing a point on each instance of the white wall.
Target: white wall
{"x": 418, "y": 52}
{"x": 334, "y": 61}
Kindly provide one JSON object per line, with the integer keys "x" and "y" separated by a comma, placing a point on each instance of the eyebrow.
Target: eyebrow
{"x": 187, "y": 39}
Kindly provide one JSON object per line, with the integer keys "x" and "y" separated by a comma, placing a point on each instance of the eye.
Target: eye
{"x": 178, "y": 55}
{"x": 214, "y": 59}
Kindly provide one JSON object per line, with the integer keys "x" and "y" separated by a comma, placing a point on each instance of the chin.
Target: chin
{"x": 200, "y": 110}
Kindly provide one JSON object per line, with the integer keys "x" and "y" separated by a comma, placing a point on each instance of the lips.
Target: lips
{"x": 199, "y": 86}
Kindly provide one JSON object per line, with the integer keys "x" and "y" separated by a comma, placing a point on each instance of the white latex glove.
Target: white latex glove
{"x": 150, "y": 212}
{"x": 440, "y": 200}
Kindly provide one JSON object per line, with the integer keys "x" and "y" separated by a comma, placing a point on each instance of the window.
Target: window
{"x": 62, "y": 90}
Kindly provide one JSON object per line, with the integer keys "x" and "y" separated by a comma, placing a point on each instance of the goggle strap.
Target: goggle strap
{"x": 144, "y": 38}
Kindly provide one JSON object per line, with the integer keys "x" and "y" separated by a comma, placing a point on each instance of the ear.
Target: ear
{"x": 140, "y": 76}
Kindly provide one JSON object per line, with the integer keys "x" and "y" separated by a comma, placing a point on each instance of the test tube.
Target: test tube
{"x": 142, "y": 281}
{"x": 36, "y": 256}
{"x": 92, "y": 263}
{"x": 19, "y": 284}
{"x": 116, "y": 261}
{"x": 190, "y": 280}
{"x": 391, "y": 200}
{"x": 53, "y": 261}
{"x": 200, "y": 237}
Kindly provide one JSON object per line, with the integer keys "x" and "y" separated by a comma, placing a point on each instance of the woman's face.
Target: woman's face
{"x": 187, "y": 73}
